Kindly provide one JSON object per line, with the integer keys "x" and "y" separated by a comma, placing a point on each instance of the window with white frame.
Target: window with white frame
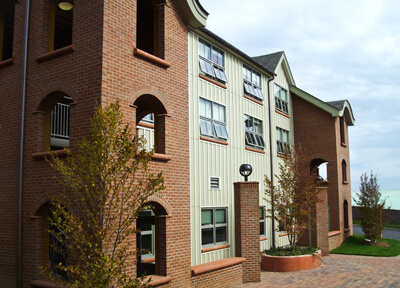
{"x": 281, "y": 99}
{"x": 254, "y": 136}
{"x": 212, "y": 120}
{"x": 214, "y": 226}
{"x": 149, "y": 118}
{"x": 252, "y": 83}
{"x": 147, "y": 234}
{"x": 262, "y": 220}
{"x": 282, "y": 141}
{"x": 211, "y": 60}
{"x": 59, "y": 128}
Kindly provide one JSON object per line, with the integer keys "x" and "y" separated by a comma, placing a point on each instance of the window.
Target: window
{"x": 252, "y": 83}
{"x": 214, "y": 183}
{"x": 58, "y": 252}
{"x": 150, "y": 27}
{"x": 59, "y": 130}
{"x": 281, "y": 99}
{"x": 60, "y": 30}
{"x": 6, "y": 31}
{"x": 212, "y": 120}
{"x": 342, "y": 131}
{"x": 149, "y": 118}
{"x": 211, "y": 61}
{"x": 344, "y": 171}
{"x": 253, "y": 132}
{"x": 282, "y": 141}
{"x": 147, "y": 234}
{"x": 214, "y": 226}
{"x": 346, "y": 214}
{"x": 262, "y": 220}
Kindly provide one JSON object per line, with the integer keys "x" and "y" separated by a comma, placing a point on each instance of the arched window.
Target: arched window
{"x": 151, "y": 114}
{"x": 346, "y": 214}
{"x": 59, "y": 124}
{"x": 54, "y": 246}
{"x": 320, "y": 167}
{"x": 344, "y": 171}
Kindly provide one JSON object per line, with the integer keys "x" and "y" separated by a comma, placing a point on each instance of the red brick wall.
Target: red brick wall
{"x": 319, "y": 133}
{"x": 225, "y": 277}
{"x": 247, "y": 229}
{"x": 101, "y": 67}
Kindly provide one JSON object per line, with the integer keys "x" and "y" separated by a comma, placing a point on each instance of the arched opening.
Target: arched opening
{"x": 151, "y": 122}
{"x": 151, "y": 241}
{"x": 344, "y": 171}
{"x": 55, "y": 249}
{"x": 56, "y": 113}
{"x": 346, "y": 214}
{"x": 320, "y": 167}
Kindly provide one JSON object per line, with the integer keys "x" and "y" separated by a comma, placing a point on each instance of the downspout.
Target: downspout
{"x": 21, "y": 144}
{"x": 271, "y": 159}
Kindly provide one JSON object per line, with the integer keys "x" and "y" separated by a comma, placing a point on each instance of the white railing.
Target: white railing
{"x": 59, "y": 135}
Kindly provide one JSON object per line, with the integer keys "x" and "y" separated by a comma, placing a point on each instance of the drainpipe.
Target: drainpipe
{"x": 271, "y": 159}
{"x": 21, "y": 144}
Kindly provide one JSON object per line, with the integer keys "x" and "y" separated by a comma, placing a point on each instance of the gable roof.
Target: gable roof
{"x": 339, "y": 108}
{"x": 269, "y": 61}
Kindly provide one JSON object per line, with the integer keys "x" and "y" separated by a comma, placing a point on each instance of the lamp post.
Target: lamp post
{"x": 245, "y": 170}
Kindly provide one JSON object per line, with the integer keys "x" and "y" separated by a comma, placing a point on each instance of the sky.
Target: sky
{"x": 342, "y": 49}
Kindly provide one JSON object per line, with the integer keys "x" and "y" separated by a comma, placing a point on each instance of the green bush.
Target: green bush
{"x": 288, "y": 251}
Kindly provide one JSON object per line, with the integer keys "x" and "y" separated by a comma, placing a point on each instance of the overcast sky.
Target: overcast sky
{"x": 336, "y": 50}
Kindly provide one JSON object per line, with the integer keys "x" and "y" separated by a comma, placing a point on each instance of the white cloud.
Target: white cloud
{"x": 336, "y": 50}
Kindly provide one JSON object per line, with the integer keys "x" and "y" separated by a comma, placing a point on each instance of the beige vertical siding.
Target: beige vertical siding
{"x": 211, "y": 159}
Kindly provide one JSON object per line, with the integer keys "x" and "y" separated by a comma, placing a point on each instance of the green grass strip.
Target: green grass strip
{"x": 354, "y": 245}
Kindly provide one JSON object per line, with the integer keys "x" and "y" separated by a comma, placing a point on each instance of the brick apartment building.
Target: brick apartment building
{"x": 57, "y": 65}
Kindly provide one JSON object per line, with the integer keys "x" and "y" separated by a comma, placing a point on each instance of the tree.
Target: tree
{"x": 105, "y": 184}
{"x": 293, "y": 200}
{"x": 371, "y": 207}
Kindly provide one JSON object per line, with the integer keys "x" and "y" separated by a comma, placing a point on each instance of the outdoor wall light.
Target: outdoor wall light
{"x": 65, "y": 5}
{"x": 245, "y": 170}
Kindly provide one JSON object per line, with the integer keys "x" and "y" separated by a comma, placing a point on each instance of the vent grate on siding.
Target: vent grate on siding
{"x": 214, "y": 183}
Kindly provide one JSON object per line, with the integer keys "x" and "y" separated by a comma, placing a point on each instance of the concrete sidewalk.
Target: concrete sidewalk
{"x": 339, "y": 271}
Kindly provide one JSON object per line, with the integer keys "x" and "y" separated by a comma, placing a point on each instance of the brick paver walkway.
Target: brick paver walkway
{"x": 339, "y": 271}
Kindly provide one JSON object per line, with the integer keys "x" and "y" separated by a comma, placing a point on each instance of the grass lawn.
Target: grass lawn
{"x": 354, "y": 245}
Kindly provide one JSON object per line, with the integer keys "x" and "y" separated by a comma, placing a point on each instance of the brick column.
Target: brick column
{"x": 161, "y": 248}
{"x": 322, "y": 224}
{"x": 160, "y": 133}
{"x": 247, "y": 228}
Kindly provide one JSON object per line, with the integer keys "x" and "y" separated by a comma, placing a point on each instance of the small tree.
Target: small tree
{"x": 293, "y": 200}
{"x": 371, "y": 207}
{"x": 106, "y": 183}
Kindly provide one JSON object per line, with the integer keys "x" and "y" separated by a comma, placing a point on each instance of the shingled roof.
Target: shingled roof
{"x": 269, "y": 61}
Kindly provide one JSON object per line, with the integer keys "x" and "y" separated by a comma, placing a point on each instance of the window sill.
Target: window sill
{"x": 151, "y": 58}
{"x": 212, "y": 81}
{"x": 334, "y": 233}
{"x": 149, "y": 260}
{"x": 282, "y": 113}
{"x": 255, "y": 150}
{"x": 146, "y": 125}
{"x": 160, "y": 157}
{"x": 44, "y": 283}
{"x": 345, "y": 182}
{"x": 44, "y": 155}
{"x": 211, "y": 266}
{"x": 157, "y": 280}
{"x": 56, "y": 53}
{"x": 215, "y": 248}
{"x": 7, "y": 62}
{"x": 254, "y": 100}
{"x": 343, "y": 144}
{"x": 347, "y": 230}
{"x": 213, "y": 140}
{"x": 283, "y": 234}
{"x": 282, "y": 156}
{"x": 263, "y": 238}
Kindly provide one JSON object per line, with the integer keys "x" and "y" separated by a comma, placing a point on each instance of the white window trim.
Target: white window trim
{"x": 214, "y": 123}
{"x": 283, "y": 103}
{"x": 248, "y": 134}
{"x": 214, "y": 208}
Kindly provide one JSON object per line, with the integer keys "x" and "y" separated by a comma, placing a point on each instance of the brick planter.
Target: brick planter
{"x": 290, "y": 263}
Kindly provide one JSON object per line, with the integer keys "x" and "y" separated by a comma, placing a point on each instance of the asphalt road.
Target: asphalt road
{"x": 387, "y": 232}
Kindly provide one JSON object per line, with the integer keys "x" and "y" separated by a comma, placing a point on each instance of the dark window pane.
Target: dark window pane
{"x": 207, "y": 236}
{"x": 221, "y": 235}
{"x": 146, "y": 241}
{"x": 262, "y": 228}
